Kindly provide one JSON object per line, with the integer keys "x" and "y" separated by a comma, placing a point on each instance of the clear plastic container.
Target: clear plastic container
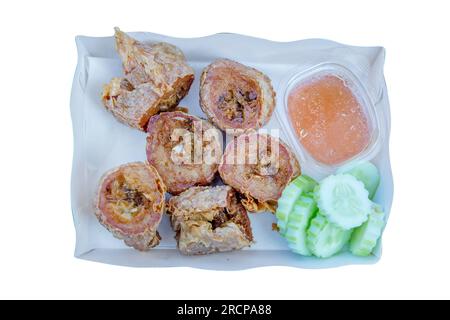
{"x": 304, "y": 75}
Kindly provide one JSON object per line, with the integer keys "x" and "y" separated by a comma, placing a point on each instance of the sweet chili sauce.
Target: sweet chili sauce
{"x": 328, "y": 119}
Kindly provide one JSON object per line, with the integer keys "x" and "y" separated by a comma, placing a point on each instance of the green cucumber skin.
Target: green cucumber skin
{"x": 366, "y": 237}
{"x": 366, "y": 172}
{"x": 301, "y": 185}
{"x": 304, "y": 211}
{"x": 321, "y": 230}
{"x": 304, "y": 182}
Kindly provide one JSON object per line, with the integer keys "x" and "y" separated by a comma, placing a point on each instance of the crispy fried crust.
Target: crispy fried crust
{"x": 208, "y": 220}
{"x": 130, "y": 204}
{"x": 235, "y": 96}
{"x": 259, "y": 173}
{"x": 185, "y": 158}
{"x": 157, "y": 77}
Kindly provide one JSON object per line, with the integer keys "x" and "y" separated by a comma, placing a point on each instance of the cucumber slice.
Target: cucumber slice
{"x": 364, "y": 239}
{"x": 325, "y": 239}
{"x": 365, "y": 172}
{"x": 343, "y": 200}
{"x": 300, "y": 185}
{"x": 304, "y": 209}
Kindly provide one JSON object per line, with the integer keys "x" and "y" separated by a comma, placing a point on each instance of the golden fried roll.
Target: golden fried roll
{"x": 259, "y": 166}
{"x": 184, "y": 149}
{"x": 208, "y": 220}
{"x": 235, "y": 96}
{"x": 157, "y": 77}
{"x": 130, "y": 204}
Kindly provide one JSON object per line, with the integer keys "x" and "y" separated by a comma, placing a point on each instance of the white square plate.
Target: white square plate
{"x": 101, "y": 143}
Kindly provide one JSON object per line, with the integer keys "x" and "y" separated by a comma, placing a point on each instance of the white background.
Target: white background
{"x": 37, "y": 61}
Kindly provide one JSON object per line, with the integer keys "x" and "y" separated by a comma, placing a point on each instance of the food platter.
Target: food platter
{"x": 102, "y": 143}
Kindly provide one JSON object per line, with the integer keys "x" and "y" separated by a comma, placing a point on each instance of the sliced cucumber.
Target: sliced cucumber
{"x": 343, "y": 200}
{"x": 304, "y": 209}
{"x": 364, "y": 239}
{"x": 300, "y": 185}
{"x": 365, "y": 172}
{"x": 325, "y": 239}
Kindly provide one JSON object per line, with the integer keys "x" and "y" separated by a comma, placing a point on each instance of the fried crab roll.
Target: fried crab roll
{"x": 130, "y": 204}
{"x": 185, "y": 150}
{"x": 259, "y": 166}
{"x": 157, "y": 77}
{"x": 208, "y": 220}
{"x": 235, "y": 96}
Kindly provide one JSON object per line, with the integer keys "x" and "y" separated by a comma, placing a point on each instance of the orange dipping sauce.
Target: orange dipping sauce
{"x": 328, "y": 119}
